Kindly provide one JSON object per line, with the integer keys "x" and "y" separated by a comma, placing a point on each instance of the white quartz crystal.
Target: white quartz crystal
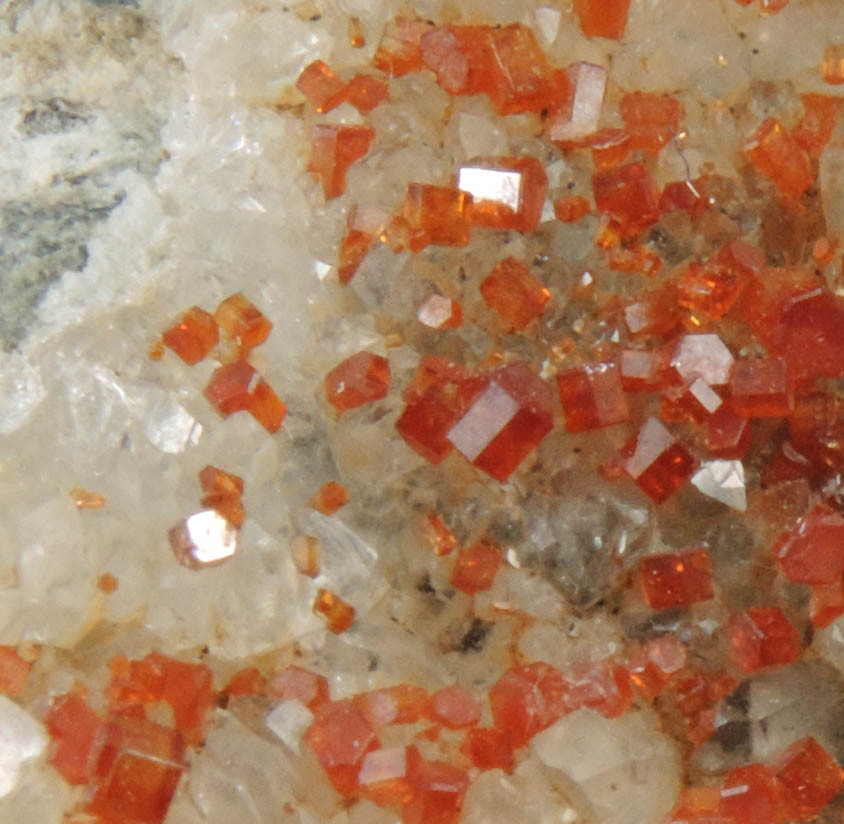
{"x": 22, "y": 740}
{"x": 289, "y": 720}
{"x": 723, "y": 481}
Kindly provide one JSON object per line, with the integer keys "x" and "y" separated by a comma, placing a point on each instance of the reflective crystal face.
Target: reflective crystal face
{"x": 204, "y": 539}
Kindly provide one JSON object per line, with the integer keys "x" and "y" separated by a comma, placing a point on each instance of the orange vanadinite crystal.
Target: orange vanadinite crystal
{"x": 297, "y": 684}
{"x": 323, "y": 88}
{"x": 727, "y": 434}
{"x": 676, "y": 579}
{"x": 387, "y": 776}
{"x": 826, "y": 603}
{"x": 363, "y": 225}
{"x": 489, "y": 749}
{"x": 358, "y": 380}
{"x": 339, "y": 615}
{"x": 330, "y": 497}
{"x": 684, "y": 196}
{"x": 507, "y": 192}
{"x": 628, "y": 195}
{"x": 356, "y": 35}
{"x": 193, "y": 336}
{"x": 815, "y": 128}
{"x": 602, "y": 18}
{"x": 810, "y": 777}
{"x": 656, "y": 461}
{"x": 107, "y": 583}
{"x": 708, "y": 291}
{"x": 812, "y": 552}
{"x": 653, "y": 313}
{"x": 641, "y": 370}
{"x": 760, "y": 388}
{"x": 236, "y": 387}
{"x": 762, "y": 637}
{"x": 304, "y": 550}
{"x": 438, "y": 215}
{"x": 526, "y": 700}
{"x": 571, "y": 209}
{"x": 440, "y": 536}
{"x": 833, "y": 65}
{"x": 751, "y": 795}
{"x": 136, "y": 768}
{"x": 506, "y": 422}
{"x": 439, "y": 792}
{"x": 575, "y": 123}
{"x": 454, "y": 707}
{"x": 249, "y": 681}
{"x": 476, "y": 567}
{"x": 334, "y": 149}
{"x": 13, "y": 671}
{"x": 816, "y": 427}
{"x": 592, "y": 397}
{"x": 365, "y": 92}
{"x": 601, "y": 685}
{"x": 73, "y": 727}
{"x": 86, "y": 499}
{"x": 223, "y": 493}
{"x": 512, "y": 291}
{"x": 779, "y": 157}
{"x": 401, "y": 704}
{"x": 243, "y": 322}
{"x": 340, "y": 737}
{"x": 398, "y": 52}
{"x": 652, "y": 667}
{"x": 697, "y": 805}
{"x": 651, "y": 120}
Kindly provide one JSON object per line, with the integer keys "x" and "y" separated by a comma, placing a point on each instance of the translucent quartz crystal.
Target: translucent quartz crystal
{"x": 73, "y": 728}
{"x": 708, "y": 291}
{"x": 723, "y": 480}
{"x": 14, "y": 671}
{"x": 592, "y": 396}
{"x": 223, "y": 493}
{"x": 574, "y": 124}
{"x": 658, "y": 463}
{"x": 243, "y": 322}
{"x": 651, "y": 667}
{"x": 507, "y": 192}
{"x": 297, "y": 684}
{"x": 356, "y": 381}
{"x": 236, "y": 387}
{"x": 398, "y": 52}
{"x": 439, "y": 215}
{"x": 571, "y": 209}
{"x": 506, "y": 422}
{"x": 651, "y": 120}
{"x": 23, "y": 739}
{"x": 512, "y": 291}
{"x": 400, "y": 704}
{"x": 762, "y": 637}
{"x": 136, "y": 767}
{"x": 602, "y": 18}
{"x": 702, "y": 356}
{"x": 751, "y": 795}
{"x": 289, "y": 720}
{"x": 810, "y": 776}
{"x": 629, "y": 195}
{"x": 777, "y": 156}
{"x": 676, "y": 579}
{"x": 340, "y": 738}
{"x": 439, "y": 792}
{"x": 330, "y": 497}
{"x": 442, "y": 540}
{"x": 203, "y": 540}
{"x": 476, "y": 567}
{"x": 641, "y": 370}
{"x": 439, "y": 395}
{"x": 440, "y": 312}
{"x": 193, "y": 336}
{"x": 323, "y": 88}
{"x": 388, "y": 776}
{"x": 334, "y": 149}
{"x": 489, "y": 749}
{"x": 653, "y": 313}
{"x": 833, "y": 64}
{"x": 760, "y": 388}
{"x": 526, "y": 700}
{"x": 610, "y": 148}
{"x": 363, "y": 225}
{"x": 365, "y": 92}
{"x": 339, "y": 615}
{"x": 812, "y": 552}
{"x": 815, "y": 128}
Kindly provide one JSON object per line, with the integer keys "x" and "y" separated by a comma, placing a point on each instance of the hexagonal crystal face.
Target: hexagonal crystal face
{"x": 204, "y": 539}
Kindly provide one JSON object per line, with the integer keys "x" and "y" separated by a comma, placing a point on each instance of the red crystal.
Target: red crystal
{"x": 826, "y": 603}
{"x": 401, "y": 704}
{"x": 476, "y": 567}
{"x": 297, "y": 684}
{"x": 14, "y": 671}
{"x": 193, "y": 337}
{"x": 762, "y": 637}
{"x": 575, "y": 123}
{"x": 815, "y": 128}
{"x": 236, "y": 387}
{"x": 571, "y": 209}
{"x": 223, "y": 493}
{"x": 512, "y": 291}
{"x": 708, "y": 291}
{"x": 323, "y": 88}
{"x": 727, "y": 434}
{"x": 778, "y": 156}
{"x": 489, "y": 749}
{"x": 812, "y": 552}
{"x": 73, "y": 727}
{"x": 356, "y": 381}
{"x": 656, "y": 461}
{"x": 398, "y": 52}
{"x": 439, "y": 215}
{"x": 440, "y": 789}
{"x": 653, "y": 666}
{"x": 676, "y": 579}
{"x": 454, "y": 707}
{"x": 628, "y": 195}
{"x": 388, "y": 776}
{"x": 602, "y": 18}
{"x": 810, "y": 777}
{"x": 333, "y": 150}
{"x": 365, "y": 92}
{"x": 330, "y": 497}
{"x": 243, "y": 322}
{"x": 592, "y": 396}
{"x": 603, "y": 686}
{"x": 339, "y": 615}
{"x": 363, "y": 226}
{"x": 651, "y": 120}
{"x": 751, "y": 795}
{"x": 760, "y": 388}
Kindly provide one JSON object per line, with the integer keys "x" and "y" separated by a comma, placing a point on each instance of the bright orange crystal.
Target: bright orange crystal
{"x": 236, "y": 387}
{"x": 820, "y": 112}
{"x": 363, "y": 226}
{"x": 489, "y": 749}
{"x": 387, "y": 776}
{"x": 629, "y": 195}
{"x": 512, "y": 291}
{"x": 297, "y": 684}
{"x": 654, "y": 665}
{"x": 476, "y": 567}
{"x": 439, "y": 792}
{"x": 653, "y": 313}
{"x": 441, "y": 538}
{"x": 826, "y": 603}
{"x": 601, "y": 685}
{"x": 602, "y": 18}
{"x": 833, "y": 65}
{"x": 778, "y": 156}
{"x": 86, "y": 499}
{"x": 323, "y": 88}
{"x": 340, "y": 737}
{"x": 751, "y": 795}
{"x": 74, "y": 728}
{"x": 223, "y": 493}
{"x": 333, "y": 150}
{"x": 249, "y": 681}
{"x": 398, "y": 52}
{"x": 243, "y": 322}
{"x": 438, "y": 215}
{"x": 14, "y": 671}
{"x": 401, "y": 704}
{"x": 339, "y": 615}
{"x": 454, "y": 707}
{"x": 760, "y": 388}
{"x": 810, "y": 776}
{"x": 708, "y": 291}
{"x": 812, "y": 552}
{"x": 658, "y": 463}
{"x": 592, "y": 397}
{"x": 194, "y": 335}
{"x": 571, "y": 209}
{"x": 365, "y": 92}
{"x": 762, "y": 637}
{"x": 330, "y": 497}
{"x": 651, "y": 120}
{"x": 358, "y": 380}
{"x": 676, "y": 579}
